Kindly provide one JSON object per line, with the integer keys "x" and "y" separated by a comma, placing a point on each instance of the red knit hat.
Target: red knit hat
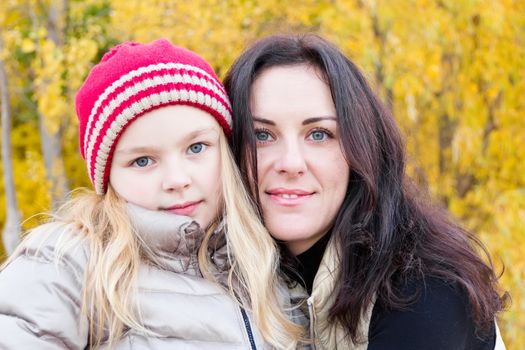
{"x": 133, "y": 79}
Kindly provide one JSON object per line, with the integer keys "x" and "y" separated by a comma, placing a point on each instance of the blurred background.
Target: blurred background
{"x": 453, "y": 72}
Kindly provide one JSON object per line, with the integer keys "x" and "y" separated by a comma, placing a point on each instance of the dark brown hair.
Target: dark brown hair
{"x": 389, "y": 233}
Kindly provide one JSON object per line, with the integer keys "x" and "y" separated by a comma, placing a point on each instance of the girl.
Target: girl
{"x": 122, "y": 267}
{"x": 379, "y": 267}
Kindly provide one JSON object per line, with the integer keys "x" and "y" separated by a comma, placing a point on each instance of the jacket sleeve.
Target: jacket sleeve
{"x": 439, "y": 319}
{"x": 40, "y": 299}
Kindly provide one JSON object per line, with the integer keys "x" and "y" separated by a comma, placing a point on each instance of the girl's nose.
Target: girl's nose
{"x": 175, "y": 178}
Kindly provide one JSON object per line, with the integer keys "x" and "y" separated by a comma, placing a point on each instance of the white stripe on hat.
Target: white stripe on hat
{"x": 91, "y": 136}
{"x": 145, "y": 70}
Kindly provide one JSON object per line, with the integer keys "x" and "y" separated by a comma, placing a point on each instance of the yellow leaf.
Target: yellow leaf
{"x": 28, "y": 45}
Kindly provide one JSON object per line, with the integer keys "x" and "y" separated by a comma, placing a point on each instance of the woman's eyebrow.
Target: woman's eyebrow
{"x": 264, "y": 121}
{"x": 318, "y": 119}
{"x": 305, "y": 122}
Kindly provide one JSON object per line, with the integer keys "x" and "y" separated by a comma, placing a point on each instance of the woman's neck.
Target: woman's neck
{"x": 305, "y": 265}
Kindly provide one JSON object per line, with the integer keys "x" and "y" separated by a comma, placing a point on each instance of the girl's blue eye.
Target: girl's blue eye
{"x": 196, "y": 148}
{"x": 142, "y": 162}
{"x": 262, "y": 136}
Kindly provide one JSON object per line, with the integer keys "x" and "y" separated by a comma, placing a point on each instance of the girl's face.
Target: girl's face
{"x": 169, "y": 160}
{"x": 303, "y": 175}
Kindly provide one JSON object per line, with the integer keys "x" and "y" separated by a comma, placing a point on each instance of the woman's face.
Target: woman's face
{"x": 303, "y": 175}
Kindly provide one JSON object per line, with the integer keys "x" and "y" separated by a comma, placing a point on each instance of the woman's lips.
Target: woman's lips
{"x": 185, "y": 209}
{"x": 288, "y": 197}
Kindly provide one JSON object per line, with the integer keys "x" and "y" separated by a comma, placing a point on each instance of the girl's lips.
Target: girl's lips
{"x": 185, "y": 209}
{"x": 289, "y": 197}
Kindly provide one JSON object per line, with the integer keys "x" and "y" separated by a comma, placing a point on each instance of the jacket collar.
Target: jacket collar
{"x": 170, "y": 241}
{"x": 326, "y": 333}
{"x": 327, "y": 274}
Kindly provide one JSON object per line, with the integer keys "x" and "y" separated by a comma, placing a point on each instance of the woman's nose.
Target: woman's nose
{"x": 291, "y": 160}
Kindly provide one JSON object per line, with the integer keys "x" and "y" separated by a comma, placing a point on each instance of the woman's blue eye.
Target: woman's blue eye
{"x": 318, "y": 135}
{"x": 262, "y": 135}
{"x": 142, "y": 162}
{"x": 196, "y": 148}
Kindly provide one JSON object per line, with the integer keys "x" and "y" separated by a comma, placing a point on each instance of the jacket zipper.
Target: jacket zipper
{"x": 311, "y": 314}
{"x": 248, "y": 329}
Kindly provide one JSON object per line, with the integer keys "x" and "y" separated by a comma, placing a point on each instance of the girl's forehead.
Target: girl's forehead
{"x": 170, "y": 123}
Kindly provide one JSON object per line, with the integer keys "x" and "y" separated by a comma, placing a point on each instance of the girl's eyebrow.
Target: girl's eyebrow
{"x": 132, "y": 150}
{"x": 200, "y": 132}
{"x": 152, "y": 149}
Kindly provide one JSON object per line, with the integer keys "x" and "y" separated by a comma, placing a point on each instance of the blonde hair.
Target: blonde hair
{"x": 116, "y": 252}
{"x": 254, "y": 258}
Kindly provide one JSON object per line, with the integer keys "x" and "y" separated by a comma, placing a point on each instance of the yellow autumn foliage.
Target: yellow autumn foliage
{"x": 452, "y": 71}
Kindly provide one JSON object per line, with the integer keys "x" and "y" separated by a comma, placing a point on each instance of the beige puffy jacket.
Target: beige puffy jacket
{"x": 40, "y": 298}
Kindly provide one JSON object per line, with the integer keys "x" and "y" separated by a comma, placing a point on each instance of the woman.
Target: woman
{"x": 380, "y": 267}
